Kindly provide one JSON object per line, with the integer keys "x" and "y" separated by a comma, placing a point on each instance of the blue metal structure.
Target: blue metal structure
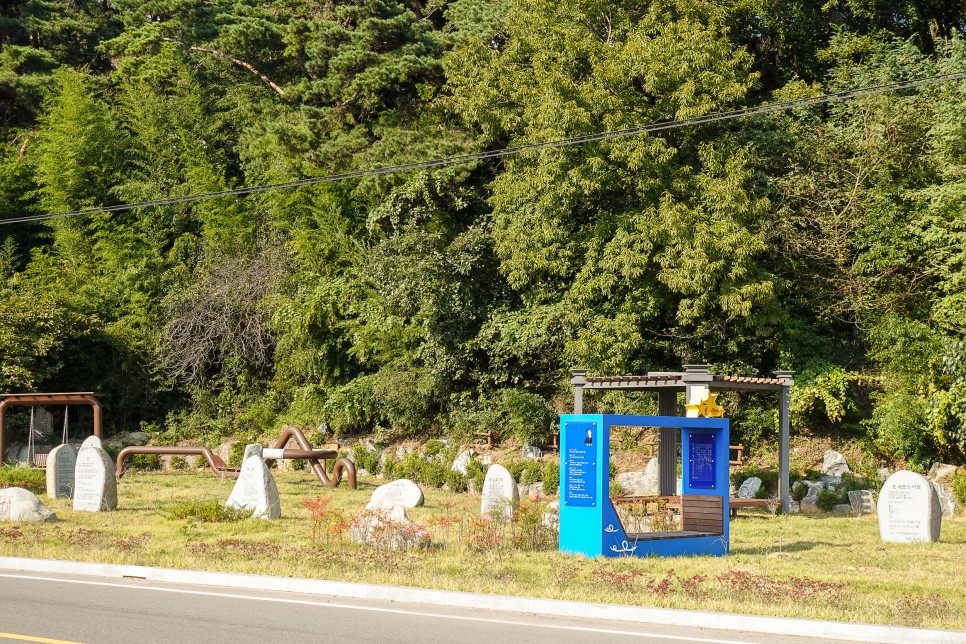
{"x": 589, "y": 523}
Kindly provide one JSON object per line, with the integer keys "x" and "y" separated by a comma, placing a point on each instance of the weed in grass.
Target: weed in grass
{"x": 134, "y": 543}
{"x": 13, "y": 533}
{"x": 913, "y": 610}
{"x": 769, "y": 589}
{"x": 208, "y": 512}
{"x": 327, "y": 522}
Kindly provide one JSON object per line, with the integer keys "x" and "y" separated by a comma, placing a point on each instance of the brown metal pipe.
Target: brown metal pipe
{"x": 343, "y": 465}
{"x": 3, "y": 407}
{"x": 316, "y": 454}
{"x": 180, "y": 451}
{"x": 84, "y": 398}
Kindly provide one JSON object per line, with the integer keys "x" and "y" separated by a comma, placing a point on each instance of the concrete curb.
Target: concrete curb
{"x": 505, "y": 603}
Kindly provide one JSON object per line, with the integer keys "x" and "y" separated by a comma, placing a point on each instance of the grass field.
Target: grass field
{"x": 823, "y": 567}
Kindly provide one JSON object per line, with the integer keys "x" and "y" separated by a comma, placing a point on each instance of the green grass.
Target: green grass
{"x": 814, "y": 566}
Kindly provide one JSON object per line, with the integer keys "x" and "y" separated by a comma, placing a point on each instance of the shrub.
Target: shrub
{"x": 769, "y": 478}
{"x": 433, "y": 473}
{"x": 455, "y": 481}
{"x": 433, "y": 448}
{"x": 367, "y": 459}
{"x": 516, "y": 469}
{"x": 146, "y": 461}
{"x": 551, "y": 478}
{"x": 208, "y": 512}
{"x": 827, "y": 500}
{"x": 799, "y": 491}
{"x": 476, "y": 472}
{"x": 179, "y": 463}
{"x": 30, "y": 478}
{"x": 959, "y": 487}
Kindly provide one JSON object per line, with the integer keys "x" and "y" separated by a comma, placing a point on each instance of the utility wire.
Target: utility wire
{"x": 504, "y": 152}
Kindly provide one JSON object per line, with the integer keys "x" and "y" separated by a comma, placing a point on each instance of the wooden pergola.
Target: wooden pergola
{"x": 667, "y": 385}
{"x": 26, "y": 400}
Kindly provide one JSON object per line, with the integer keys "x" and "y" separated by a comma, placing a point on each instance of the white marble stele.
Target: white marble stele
{"x": 500, "y": 493}
{"x": 402, "y": 492}
{"x": 61, "y": 463}
{"x": 909, "y": 510}
{"x": 95, "y": 484}
{"x": 255, "y": 488}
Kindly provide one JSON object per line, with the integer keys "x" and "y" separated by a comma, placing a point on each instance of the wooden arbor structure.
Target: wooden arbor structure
{"x": 75, "y": 398}
{"x": 694, "y": 378}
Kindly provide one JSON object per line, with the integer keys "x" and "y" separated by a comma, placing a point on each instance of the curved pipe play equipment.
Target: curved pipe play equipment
{"x": 218, "y": 466}
{"x": 77, "y": 398}
{"x": 342, "y": 465}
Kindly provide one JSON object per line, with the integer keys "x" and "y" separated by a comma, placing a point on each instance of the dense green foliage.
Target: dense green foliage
{"x": 828, "y": 240}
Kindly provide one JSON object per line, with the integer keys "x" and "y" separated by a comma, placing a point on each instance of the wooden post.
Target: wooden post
{"x": 578, "y": 381}
{"x": 667, "y": 443}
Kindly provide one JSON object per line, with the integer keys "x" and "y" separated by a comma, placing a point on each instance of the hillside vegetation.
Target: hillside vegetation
{"x": 830, "y": 239}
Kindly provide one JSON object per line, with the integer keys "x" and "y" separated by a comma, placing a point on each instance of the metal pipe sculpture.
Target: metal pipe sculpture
{"x": 342, "y": 465}
{"x": 217, "y": 465}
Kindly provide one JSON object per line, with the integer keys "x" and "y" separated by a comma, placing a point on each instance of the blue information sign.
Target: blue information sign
{"x": 702, "y": 462}
{"x": 580, "y": 482}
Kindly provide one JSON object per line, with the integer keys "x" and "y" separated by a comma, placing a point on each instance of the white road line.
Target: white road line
{"x": 398, "y": 611}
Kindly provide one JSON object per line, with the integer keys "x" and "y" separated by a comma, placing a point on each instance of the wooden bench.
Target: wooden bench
{"x": 701, "y": 515}
{"x": 738, "y": 504}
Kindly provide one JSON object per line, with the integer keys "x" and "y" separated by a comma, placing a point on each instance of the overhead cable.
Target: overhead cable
{"x": 504, "y": 152}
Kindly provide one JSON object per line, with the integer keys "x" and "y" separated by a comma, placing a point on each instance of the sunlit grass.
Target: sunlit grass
{"x": 824, "y": 567}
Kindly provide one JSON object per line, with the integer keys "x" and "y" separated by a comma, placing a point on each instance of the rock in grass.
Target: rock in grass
{"x": 834, "y": 464}
{"x": 18, "y": 504}
{"x": 749, "y": 488}
{"x": 402, "y": 492}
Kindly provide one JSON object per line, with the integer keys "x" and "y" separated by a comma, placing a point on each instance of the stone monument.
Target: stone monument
{"x": 909, "y": 510}
{"x": 862, "y": 501}
{"x": 61, "y": 462}
{"x": 402, "y": 492}
{"x": 255, "y": 489}
{"x": 95, "y": 484}
{"x": 500, "y": 492}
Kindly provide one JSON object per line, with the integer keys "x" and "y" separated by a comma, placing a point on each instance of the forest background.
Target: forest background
{"x": 830, "y": 240}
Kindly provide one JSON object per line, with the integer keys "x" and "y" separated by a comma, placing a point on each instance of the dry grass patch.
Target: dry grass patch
{"x": 823, "y": 567}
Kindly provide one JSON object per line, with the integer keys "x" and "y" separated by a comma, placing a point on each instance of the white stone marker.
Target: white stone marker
{"x": 61, "y": 463}
{"x": 92, "y": 441}
{"x": 909, "y": 510}
{"x": 401, "y": 492}
{"x": 500, "y": 492}
{"x": 255, "y": 489}
{"x": 95, "y": 485}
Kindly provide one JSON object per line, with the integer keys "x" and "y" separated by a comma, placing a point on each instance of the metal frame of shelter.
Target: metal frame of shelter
{"x": 667, "y": 385}
{"x": 26, "y": 400}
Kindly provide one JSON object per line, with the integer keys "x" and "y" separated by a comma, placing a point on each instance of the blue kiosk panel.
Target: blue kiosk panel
{"x": 589, "y": 524}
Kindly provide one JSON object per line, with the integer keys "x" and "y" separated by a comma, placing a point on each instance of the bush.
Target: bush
{"x": 476, "y": 472}
{"x": 959, "y": 487}
{"x": 433, "y": 473}
{"x": 208, "y": 512}
{"x": 146, "y": 461}
{"x": 367, "y": 459}
{"x": 551, "y": 478}
{"x": 516, "y": 469}
{"x": 455, "y": 481}
{"x": 799, "y": 491}
{"x": 179, "y": 463}
{"x": 769, "y": 478}
{"x": 827, "y": 500}
{"x": 30, "y": 478}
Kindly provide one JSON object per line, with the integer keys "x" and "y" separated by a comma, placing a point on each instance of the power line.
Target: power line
{"x": 503, "y": 152}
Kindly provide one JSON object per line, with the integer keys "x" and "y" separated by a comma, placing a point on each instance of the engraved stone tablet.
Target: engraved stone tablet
{"x": 402, "y": 492}
{"x": 909, "y": 510}
{"x": 255, "y": 489}
{"x": 92, "y": 441}
{"x": 862, "y": 501}
{"x": 61, "y": 462}
{"x": 500, "y": 492}
{"x": 95, "y": 486}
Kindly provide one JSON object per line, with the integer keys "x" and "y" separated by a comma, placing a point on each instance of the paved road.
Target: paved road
{"x": 65, "y": 609}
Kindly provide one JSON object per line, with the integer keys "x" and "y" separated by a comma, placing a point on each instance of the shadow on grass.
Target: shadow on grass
{"x": 797, "y": 546}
